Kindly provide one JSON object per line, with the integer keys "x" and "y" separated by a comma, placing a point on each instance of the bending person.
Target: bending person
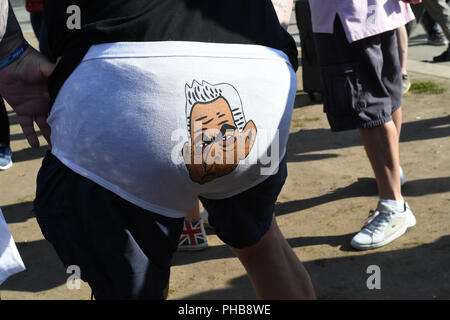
{"x": 153, "y": 104}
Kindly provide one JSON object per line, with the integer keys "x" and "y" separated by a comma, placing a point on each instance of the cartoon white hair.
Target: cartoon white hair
{"x": 206, "y": 93}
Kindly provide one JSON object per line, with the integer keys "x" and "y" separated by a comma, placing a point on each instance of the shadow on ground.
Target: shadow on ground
{"x": 44, "y": 269}
{"x": 334, "y": 278}
{"x": 29, "y": 153}
{"x": 365, "y": 187}
{"x": 318, "y": 140}
{"x": 19, "y": 212}
{"x": 421, "y": 272}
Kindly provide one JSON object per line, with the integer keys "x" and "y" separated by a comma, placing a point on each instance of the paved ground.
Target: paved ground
{"x": 327, "y": 196}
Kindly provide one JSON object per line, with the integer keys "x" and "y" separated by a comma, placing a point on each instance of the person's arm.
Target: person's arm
{"x": 284, "y": 10}
{"x": 23, "y": 78}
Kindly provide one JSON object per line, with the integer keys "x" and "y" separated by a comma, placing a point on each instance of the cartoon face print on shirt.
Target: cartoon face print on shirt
{"x": 219, "y": 135}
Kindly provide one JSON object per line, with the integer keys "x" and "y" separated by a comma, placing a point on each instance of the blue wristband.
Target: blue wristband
{"x": 15, "y": 55}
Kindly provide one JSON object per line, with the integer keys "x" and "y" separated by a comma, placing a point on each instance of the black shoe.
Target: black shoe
{"x": 443, "y": 57}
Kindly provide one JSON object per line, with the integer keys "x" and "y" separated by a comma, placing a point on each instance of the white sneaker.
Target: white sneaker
{"x": 383, "y": 226}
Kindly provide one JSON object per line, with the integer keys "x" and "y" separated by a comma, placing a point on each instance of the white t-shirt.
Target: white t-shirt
{"x": 160, "y": 123}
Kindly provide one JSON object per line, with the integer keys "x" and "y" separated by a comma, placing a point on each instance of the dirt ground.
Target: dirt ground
{"x": 327, "y": 197}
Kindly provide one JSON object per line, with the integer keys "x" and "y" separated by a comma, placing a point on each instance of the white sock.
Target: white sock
{"x": 398, "y": 205}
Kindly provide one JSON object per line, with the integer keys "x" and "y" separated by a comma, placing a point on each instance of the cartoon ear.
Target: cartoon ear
{"x": 248, "y": 136}
{"x": 186, "y": 153}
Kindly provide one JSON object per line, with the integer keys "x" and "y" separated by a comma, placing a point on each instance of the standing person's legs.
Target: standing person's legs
{"x": 382, "y": 142}
{"x": 439, "y": 10}
{"x": 393, "y": 215}
{"x": 435, "y": 36}
{"x": 390, "y": 69}
{"x": 418, "y": 10}
{"x": 363, "y": 90}
{"x": 429, "y": 24}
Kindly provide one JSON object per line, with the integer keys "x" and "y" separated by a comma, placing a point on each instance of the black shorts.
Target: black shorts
{"x": 119, "y": 247}
{"x": 362, "y": 80}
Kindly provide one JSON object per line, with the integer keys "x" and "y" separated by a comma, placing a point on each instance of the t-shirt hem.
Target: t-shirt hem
{"x": 115, "y": 189}
{"x": 163, "y": 49}
{"x": 164, "y": 211}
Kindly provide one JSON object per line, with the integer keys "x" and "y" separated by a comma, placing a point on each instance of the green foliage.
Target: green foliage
{"x": 427, "y": 87}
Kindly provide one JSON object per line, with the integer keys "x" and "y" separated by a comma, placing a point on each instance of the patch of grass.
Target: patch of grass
{"x": 354, "y": 207}
{"x": 297, "y": 124}
{"x": 413, "y": 243}
{"x": 28, "y": 198}
{"x": 211, "y": 277}
{"x": 311, "y": 119}
{"x": 427, "y": 87}
{"x": 331, "y": 224}
{"x": 171, "y": 291}
{"x": 309, "y": 249}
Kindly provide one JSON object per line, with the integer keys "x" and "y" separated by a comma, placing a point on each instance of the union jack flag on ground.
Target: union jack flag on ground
{"x": 193, "y": 236}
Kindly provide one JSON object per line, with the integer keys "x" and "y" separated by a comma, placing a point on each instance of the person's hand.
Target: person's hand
{"x": 23, "y": 84}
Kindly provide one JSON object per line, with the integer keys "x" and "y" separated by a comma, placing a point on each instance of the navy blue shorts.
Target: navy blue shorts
{"x": 119, "y": 247}
{"x": 362, "y": 80}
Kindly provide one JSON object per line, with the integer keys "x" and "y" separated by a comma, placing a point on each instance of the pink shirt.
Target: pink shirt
{"x": 360, "y": 18}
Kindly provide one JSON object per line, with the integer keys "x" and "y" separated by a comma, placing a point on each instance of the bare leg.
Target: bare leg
{"x": 274, "y": 269}
{"x": 382, "y": 148}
